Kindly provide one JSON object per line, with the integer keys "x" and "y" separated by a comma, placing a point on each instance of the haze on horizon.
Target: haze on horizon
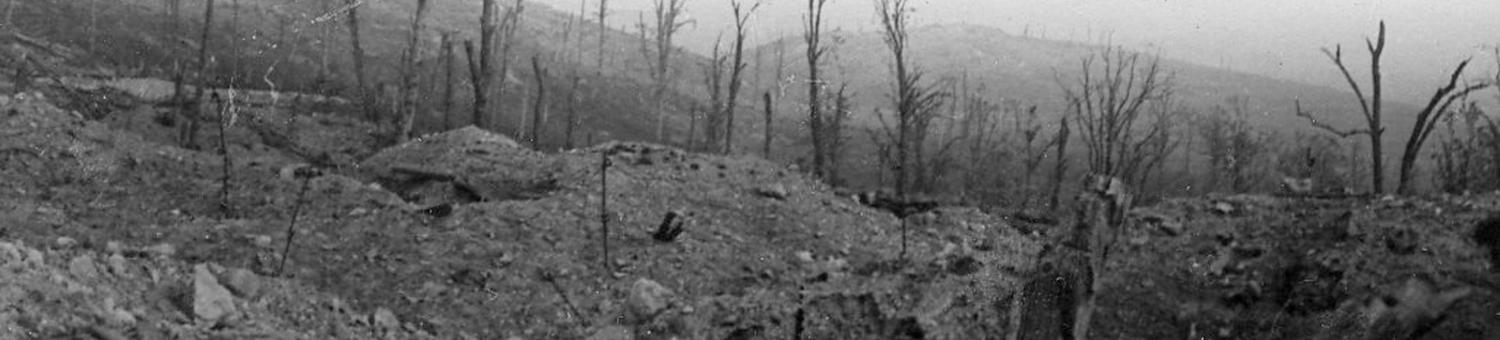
{"x": 1275, "y": 38}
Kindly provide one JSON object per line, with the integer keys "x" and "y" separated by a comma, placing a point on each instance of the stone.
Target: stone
{"x": 83, "y": 267}
{"x": 384, "y": 319}
{"x": 262, "y": 241}
{"x": 66, "y": 242}
{"x": 647, "y": 298}
{"x": 113, "y": 247}
{"x": 774, "y": 191}
{"x": 161, "y": 250}
{"x": 211, "y": 301}
{"x": 118, "y": 265}
{"x": 243, "y": 282}
{"x": 804, "y": 256}
{"x": 612, "y": 332}
{"x": 1223, "y": 208}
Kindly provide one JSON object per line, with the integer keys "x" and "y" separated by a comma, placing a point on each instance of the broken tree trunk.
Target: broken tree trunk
{"x": 539, "y": 106}
{"x": 409, "y": 76}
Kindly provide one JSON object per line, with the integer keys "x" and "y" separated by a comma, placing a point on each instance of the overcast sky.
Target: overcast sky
{"x": 1278, "y": 38}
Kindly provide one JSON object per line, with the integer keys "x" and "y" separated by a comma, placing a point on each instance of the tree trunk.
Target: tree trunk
{"x": 409, "y": 78}
{"x": 476, "y": 78}
{"x": 448, "y": 71}
{"x": 1059, "y": 172}
{"x": 812, "y": 37}
{"x": 202, "y": 75}
{"x": 572, "y": 123}
{"x": 765, "y": 149}
{"x": 361, "y": 82}
{"x": 511, "y": 23}
{"x": 603, "y": 32}
{"x": 482, "y": 67}
{"x": 539, "y": 106}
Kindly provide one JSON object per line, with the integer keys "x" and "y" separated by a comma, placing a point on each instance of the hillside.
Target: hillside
{"x": 1027, "y": 69}
{"x": 276, "y": 45}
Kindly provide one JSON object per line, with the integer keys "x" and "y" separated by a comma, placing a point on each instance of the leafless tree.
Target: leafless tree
{"x": 409, "y": 73}
{"x": 667, "y": 15}
{"x": 812, "y": 35}
{"x": 916, "y": 104}
{"x": 736, "y": 71}
{"x": 539, "y": 106}
{"x": 1369, "y": 107}
{"x": 713, "y": 77}
{"x": 1231, "y": 143}
{"x": 361, "y": 79}
{"x": 510, "y": 23}
{"x": 1108, "y": 101}
{"x": 202, "y": 75}
{"x": 448, "y": 78}
{"x": 603, "y": 33}
{"x": 1427, "y": 120}
{"x": 1061, "y": 167}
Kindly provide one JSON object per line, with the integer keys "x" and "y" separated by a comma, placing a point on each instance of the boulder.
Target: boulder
{"x": 211, "y": 301}
{"x": 647, "y": 299}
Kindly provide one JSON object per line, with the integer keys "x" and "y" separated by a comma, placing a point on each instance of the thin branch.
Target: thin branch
{"x": 1325, "y": 126}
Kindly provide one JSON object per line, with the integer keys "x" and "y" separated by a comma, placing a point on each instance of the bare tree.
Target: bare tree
{"x": 916, "y": 104}
{"x": 736, "y": 71}
{"x": 812, "y": 35}
{"x": 202, "y": 75}
{"x": 409, "y": 73}
{"x": 481, "y": 63}
{"x": 448, "y": 78}
{"x": 603, "y": 33}
{"x": 1107, "y": 102}
{"x": 510, "y": 23}
{"x": 539, "y": 106}
{"x": 1231, "y": 143}
{"x": 1061, "y": 167}
{"x": 765, "y": 151}
{"x": 834, "y": 137}
{"x": 572, "y": 123}
{"x": 668, "y": 22}
{"x": 1427, "y": 120}
{"x": 713, "y": 77}
{"x": 1369, "y": 106}
{"x": 361, "y": 80}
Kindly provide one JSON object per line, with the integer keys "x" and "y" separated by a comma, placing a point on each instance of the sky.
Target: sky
{"x": 1278, "y": 38}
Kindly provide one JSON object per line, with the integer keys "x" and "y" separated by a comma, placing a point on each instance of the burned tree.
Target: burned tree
{"x": 736, "y": 71}
{"x": 916, "y": 103}
{"x": 409, "y": 73}
{"x": 812, "y": 35}
{"x": 481, "y": 66}
{"x": 713, "y": 78}
{"x": 667, "y": 23}
{"x": 1369, "y": 107}
{"x": 357, "y": 51}
{"x": 1108, "y": 101}
{"x": 1427, "y": 120}
{"x": 539, "y": 106}
{"x": 510, "y": 22}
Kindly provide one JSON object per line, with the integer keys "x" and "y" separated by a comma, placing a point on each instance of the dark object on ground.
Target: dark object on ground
{"x": 1033, "y": 219}
{"x": 1487, "y": 235}
{"x": 1402, "y": 241}
{"x": 901, "y": 207}
{"x": 670, "y": 227}
{"x": 439, "y": 211}
{"x": 469, "y": 277}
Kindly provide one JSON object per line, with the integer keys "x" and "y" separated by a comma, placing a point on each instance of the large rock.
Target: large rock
{"x": 647, "y": 299}
{"x": 211, "y": 301}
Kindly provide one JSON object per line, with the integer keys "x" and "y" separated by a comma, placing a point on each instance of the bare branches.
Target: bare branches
{"x": 1369, "y": 106}
{"x": 1428, "y": 118}
{"x": 1325, "y": 126}
{"x": 1107, "y": 101}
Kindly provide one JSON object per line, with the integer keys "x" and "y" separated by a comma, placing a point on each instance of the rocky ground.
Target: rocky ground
{"x": 109, "y": 230}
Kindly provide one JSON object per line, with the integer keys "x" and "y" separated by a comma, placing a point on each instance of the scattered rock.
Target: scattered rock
{"x": 384, "y": 319}
{"x": 1223, "y": 208}
{"x": 83, "y": 267}
{"x": 774, "y": 191}
{"x": 66, "y": 242}
{"x": 1402, "y": 241}
{"x": 612, "y": 332}
{"x": 211, "y": 301}
{"x": 647, "y": 298}
{"x": 243, "y": 282}
{"x": 263, "y": 241}
{"x": 804, "y": 256}
{"x": 118, "y": 266}
{"x": 114, "y": 247}
{"x": 161, "y": 250}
